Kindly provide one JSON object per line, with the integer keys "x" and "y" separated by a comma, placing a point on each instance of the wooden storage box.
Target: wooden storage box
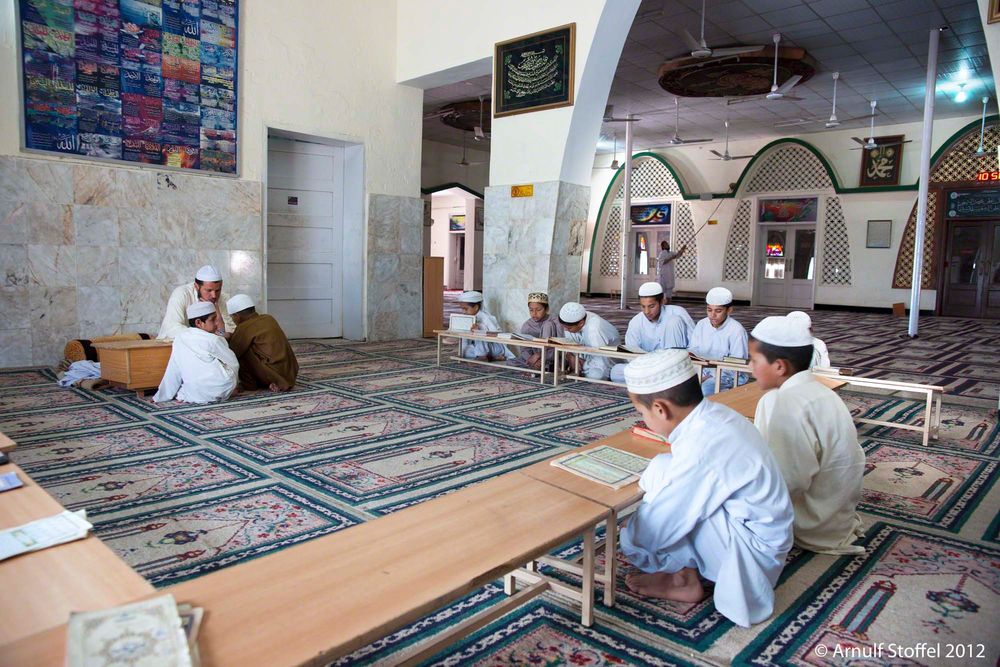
{"x": 134, "y": 364}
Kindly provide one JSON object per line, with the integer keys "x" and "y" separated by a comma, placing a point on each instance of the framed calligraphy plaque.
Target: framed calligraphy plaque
{"x": 879, "y": 234}
{"x": 880, "y": 166}
{"x": 534, "y": 72}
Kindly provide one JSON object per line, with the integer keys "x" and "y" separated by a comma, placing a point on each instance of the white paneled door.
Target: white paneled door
{"x": 305, "y": 229}
{"x": 787, "y": 266}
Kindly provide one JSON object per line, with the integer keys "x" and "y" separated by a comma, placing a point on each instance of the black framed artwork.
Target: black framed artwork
{"x": 534, "y": 72}
{"x": 881, "y": 165}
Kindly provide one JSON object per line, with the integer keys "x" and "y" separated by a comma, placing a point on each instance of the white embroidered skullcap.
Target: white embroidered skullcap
{"x": 208, "y": 274}
{"x": 782, "y": 331}
{"x": 658, "y": 371}
{"x": 471, "y": 297}
{"x": 719, "y": 296}
{"x": 650, "y": 289}
{"x": 200, "y": 309}
{"x": 572, "y": 312}
{"x": 238, "y": 303}
{"x": 799, "y": 316}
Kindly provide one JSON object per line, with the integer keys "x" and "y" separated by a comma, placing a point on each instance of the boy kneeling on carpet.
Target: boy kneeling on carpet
{"x": 715, "y": 506}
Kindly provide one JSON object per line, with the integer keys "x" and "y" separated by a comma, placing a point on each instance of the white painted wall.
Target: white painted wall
{"x": 871, "y": 269}
{"x": 438, "y": 166}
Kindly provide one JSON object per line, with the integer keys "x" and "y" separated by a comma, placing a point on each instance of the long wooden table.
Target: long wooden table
{"x": 41, "y": 588}
{"x": 442, "y": 334}
{"x": 320, "y": 600}
{"x": 6, "y": 444}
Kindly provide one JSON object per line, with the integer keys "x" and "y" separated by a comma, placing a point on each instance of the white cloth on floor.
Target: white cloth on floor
{"x": 201, "y": 369}
{"x": 478, "y": 348}
{"x": 175, "y": 319}
{"x": 668, "y": 331}
{"x": 80, "y": 370}
{"x": 596, "y": 332}
{"x": 717, "y": 503}
{"x": 821, "y": 356}
{"x": 813, "y": 437}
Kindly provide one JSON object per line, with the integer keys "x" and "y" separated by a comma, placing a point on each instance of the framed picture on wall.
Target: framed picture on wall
{"x": 993, "y": 13}
{"x": 456, "y": 223}
{"x": 880, "y": 166}
{"x": 534, "y": 72}
{"x": 650, "y": 214}
{"x": 879, "y": 234}
{"x": 788, "y": 209}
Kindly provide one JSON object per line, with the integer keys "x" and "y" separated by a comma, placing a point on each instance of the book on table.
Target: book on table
{"x": 557, "y": 340}
{"x": 520, "y": 336}
{"x": 40, "y": 534}
{"x": 622, "y": 348}
{"x": 461, "y": 323}
{"x": 736, "y": 361}
{"x": 605, "y": 465}
{"x": 643, "y": 431}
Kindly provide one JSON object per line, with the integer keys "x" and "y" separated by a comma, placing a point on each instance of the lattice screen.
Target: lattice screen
{"x": 790, "y": 167}
{"x": 650, "y": 179}
{"x": 955, "y": 165}
{"x": 611, "y": 248}
{"x": 687, "y": 264}
{"x": 736, "y": 264}
{"x": 836, "y": 247}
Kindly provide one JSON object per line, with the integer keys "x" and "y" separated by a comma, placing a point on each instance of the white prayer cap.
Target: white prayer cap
{"x": 471, "y": 297}
{"x": 238, "y": 303}
{"x": 572, "y": 312}
{"x": 658, "y": 371}
{"x": 650, "y": 289}
{"x": 208, "y": 274}
{"x": 719, "y": 296}
{"x": 200, "y": 309}
{"x": 782, "y": 331}
{"x": 799, "y": 316}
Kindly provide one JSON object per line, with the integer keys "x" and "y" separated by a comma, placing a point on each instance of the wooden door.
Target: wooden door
{"x": 991, "y": 306}
{"x": 967, "y": 268}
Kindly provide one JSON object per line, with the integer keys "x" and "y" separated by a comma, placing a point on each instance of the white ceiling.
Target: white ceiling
{"x": 879, "y": 48}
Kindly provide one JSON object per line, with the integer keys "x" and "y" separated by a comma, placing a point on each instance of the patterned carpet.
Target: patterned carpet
{"x": 179, "y": 491}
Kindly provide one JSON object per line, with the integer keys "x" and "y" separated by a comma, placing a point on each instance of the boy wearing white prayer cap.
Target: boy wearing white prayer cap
{"x": 267, "y": 360}
{"x": 718, "y": 336}
{"x": 207, "y": 287}
{"x": 471, "y": 303}
{"x": 714, "y": 506}
{"x": 590, "y": 330}
{"x": 812, "y": 435}
{"x": 821, "y": 355}
{"x": 655, "y": 328}
{"x": 202, "y": 368}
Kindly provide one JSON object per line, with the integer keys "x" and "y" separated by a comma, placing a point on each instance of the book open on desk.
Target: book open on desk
{"x": 605, "y": 465}
{"x": 622, "y": 348}
{"x": 461, "y": 323}
{"x": 556, "y": 340}
{"x": 643, "y": 431}
{"x": 520, "y": 336}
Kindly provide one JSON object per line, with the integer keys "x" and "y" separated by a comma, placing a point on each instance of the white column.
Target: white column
{"x": 623, "y": 265}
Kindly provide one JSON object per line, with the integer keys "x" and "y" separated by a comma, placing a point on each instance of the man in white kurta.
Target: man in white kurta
{"x": 471, "y": 303}
{"x": 202, "y": 368}
{"x": 811, "y": 434}
{"x": 207, "y": 287}
{"x": 821, "y": 355}
{"x": 590, "y": 330}
{"x": 714, "y": 506}
{"x": 718, "y": 336}
{"x": 665, "y": 268}
{"x": 655, "y": 328}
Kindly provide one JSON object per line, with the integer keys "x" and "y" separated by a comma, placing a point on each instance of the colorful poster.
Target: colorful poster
{"x": 151, "y": 81}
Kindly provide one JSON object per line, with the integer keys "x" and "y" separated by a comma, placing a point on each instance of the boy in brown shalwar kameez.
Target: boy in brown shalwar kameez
{"x": 266, "y": 358}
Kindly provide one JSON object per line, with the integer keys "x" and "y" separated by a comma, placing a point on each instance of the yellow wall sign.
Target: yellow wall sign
{"x": 713, "y": 222}
{"x": 522, "y": 190}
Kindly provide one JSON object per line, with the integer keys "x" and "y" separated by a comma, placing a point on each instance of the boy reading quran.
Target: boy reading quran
{"x": 811, "y": 433}
{"x": 715, "y": 506}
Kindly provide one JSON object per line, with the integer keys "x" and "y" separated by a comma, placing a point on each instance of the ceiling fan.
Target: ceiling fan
{"x": 777, "y": 92}
{"x": 700, "y": 48}
{"x": 615, "y": 165}
{"x": 478, "y": 134}
{"x": 981, "y": 151}
{"x": 871, "y": 143}
{"x": 726, "y": 157}
{"x": 828, "y": 123}
{"x": 464, "y": 162}
{"x": 676, "y": 140}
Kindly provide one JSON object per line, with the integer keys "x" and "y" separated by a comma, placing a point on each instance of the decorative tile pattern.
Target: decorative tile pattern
{"x": 787, "y": 168}
{"x": 611, "y": 249}
{"x": 650, "y": 180}
{"x": 736, "y": 262}
{"x": 902, "y": 276}
{"x": 836, "y": 246}
{"x": 687, "y": 264}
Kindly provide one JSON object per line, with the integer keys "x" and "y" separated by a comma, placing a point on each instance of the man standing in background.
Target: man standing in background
{"x": 665, "y": 269}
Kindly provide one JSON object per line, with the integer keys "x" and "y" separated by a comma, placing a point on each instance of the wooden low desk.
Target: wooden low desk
{"x": 315, "y": 602}
{"x": 134, "y": 364}
{"x": 6, "y": 444}
{"x": 617, "y": 501}
{"x": 482, "y": 338}
{"x": 744, "y": 399}
{"x": 41, "y": 588}
{"x": 563, "y": 350}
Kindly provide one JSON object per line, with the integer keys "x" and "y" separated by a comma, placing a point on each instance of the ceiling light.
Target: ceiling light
{"x": 961, "y": 95}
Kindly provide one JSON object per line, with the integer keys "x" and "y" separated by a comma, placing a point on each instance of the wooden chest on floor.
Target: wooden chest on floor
{"x": 134, "y": 364}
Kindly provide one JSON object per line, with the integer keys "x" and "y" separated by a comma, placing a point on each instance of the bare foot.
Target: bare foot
{"x": 273, "y": 387}
{"x": 683, "y": 586}
{"x": 482, "y": 358}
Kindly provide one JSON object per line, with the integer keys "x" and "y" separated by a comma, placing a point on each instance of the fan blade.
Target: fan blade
{"x": 859, "y": 141}
{"x": 740, "y": 157}
{"x": 741, "y": 100}
{"x": 791, "y": 83}
{"x": 696, "y": 141}
{"x": 692, "y": 43}
{"x": 735, "y": 51}
{"x": 715, "y": 152}
{"x": 799, "y": 121}
{"x": 791, "y": 97}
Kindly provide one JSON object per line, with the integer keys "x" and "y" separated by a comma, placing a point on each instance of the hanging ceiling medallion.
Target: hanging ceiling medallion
{"x": 736, "y": 76}
{"x": 464, "y": 115}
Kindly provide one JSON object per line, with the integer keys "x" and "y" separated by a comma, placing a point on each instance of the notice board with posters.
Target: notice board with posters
{"x": 149, "y": 81}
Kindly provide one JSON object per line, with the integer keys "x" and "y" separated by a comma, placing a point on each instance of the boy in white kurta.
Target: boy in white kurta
{"x": 655, "y": 328}
{"x": 590, "y": 330}
{"x": 811, "y": 433}
{"x": 821, "y": 355}
{"x": 718, "y": 336}
{"x": 715, "y": 505}
{"x": 471, "y": 303}
{"x": 207, "y": 287}
{"x": 202, "y": 368}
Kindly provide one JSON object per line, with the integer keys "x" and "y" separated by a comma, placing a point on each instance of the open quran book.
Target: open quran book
{"x": 605, "y": 465}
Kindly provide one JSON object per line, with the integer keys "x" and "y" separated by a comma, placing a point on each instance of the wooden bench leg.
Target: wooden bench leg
{"x": 928, "y": 418}
{"x": 587, "y": 587}
{"x": 509, "y": 584}
{"x": 610, "y": 559}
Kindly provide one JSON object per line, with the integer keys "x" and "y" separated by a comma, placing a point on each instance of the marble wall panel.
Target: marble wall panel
{"x": 95, "y": 225}
{"x": 394, "y": 295}
{"x": 15, "y": 348}
{"x": 14, "y": 309}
